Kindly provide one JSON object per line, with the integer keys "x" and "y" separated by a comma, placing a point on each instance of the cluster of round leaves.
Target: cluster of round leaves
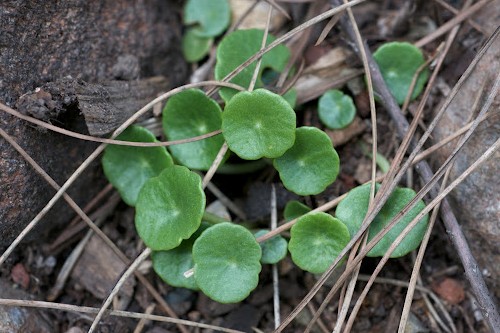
{"x": 170, "y": 202}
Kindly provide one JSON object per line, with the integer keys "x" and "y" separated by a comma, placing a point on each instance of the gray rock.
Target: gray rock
{"x": 476, "y": 201}
{"x": 18, "y": 319}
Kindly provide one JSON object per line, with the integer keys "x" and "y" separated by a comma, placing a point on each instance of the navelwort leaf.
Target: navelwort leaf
{"x": 353, "y": 208}
{"x": 295, "y": 209}
{"x": 316, "y": 240}
{"x": 188, "y": 114}
{"x": 211, "y": 17}
{"x": 398, "y": 63}
{"x": 258, "y": 124}
{"x": 239, "y": 46}
{"x": 311, "y": 164}
{"x": 172, "y": 264}
{"x": 273, "y": 249}
{"x": 336, "y": 110}
{"x": 194, "y": 47}
{"x": 128, "y": 168}
{"x": 227, "y": 262}
{"x": 169, "y": 208}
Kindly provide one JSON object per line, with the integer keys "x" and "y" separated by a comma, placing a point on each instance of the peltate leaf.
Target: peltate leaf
{"x": 188, "y": 114}
{"x": 316, "y": 240}
{"x": 128, "y": 168}
{"x": 398, "y": 63}
{"x": 258, "y": 124}
{"x": 311, "y": 164}
{"x": 353, "y": 208}
{"x": 336, "y": 110}
{"x": 227, "y": 262}
{"x": 169, "y": 208}
{"x": 239, "y": 46}
{"x": 273, "y": 249}
{"x": 211, "y": 17}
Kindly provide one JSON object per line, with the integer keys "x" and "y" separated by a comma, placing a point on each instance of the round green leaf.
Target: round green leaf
{"x": 188, "y": 114}
{"x": 172, "y": 264}
{"x": 227, "y": 262}
{"x": 311, "y": 164}
{"x": 336, "y": 110}
{"x": 274, "y": 249}
{"x": 295, "y": 209}
{"x": 169, "y": 208}
{"x": 316, "y": 240}
{"x": 398, "y": 63}
{"x": 353, "y": 208}
{"x": 128, "y": 168}
{"x": 236, "y": 48}
{"x": 211, "y": 17}
{"x": 258, "y": 124}
{"x": 195, "y": 47}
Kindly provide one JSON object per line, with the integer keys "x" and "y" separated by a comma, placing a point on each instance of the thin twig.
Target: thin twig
{"x": 456, "y": 235}
{"x": 426, "y": 173}
{"x": 455, "y": 11}
{"x": 143, "y": 321}
{"x": 89, "y": 160}
{"x": 117, "y": 313}
{"x": 460, "y": 17}
{"x": 256, "y": 71}
{"x": 80, "y": 136}
{"x": 276, "y": 288}
{"x": 130, "y": 270}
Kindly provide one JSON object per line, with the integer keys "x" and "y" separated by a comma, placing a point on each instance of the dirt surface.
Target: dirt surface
{"x": 100, "y": 42}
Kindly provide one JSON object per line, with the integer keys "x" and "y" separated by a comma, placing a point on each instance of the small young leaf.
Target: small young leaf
{"x": 128, "y": 168}
{"x": 188, "y": 114}
{"x": 353, "y": 208}
{"x": 169, "y": 208}
{"x": 316, "y": 240}
{"x": 311, "y": 164}
{"x": 398, "y": 63}
{"x": 211, "y": 17}
{"x": 227, "y": 262}
{"x": 236, "y": 48}
{"x": 295, "y": 209}
{"x": 194, "y": 47}
{"x": 336, "y": 110}
{"x": 274, "y": 249}
{"x": 172, "y": 264}
{"x": 258, "y": 124}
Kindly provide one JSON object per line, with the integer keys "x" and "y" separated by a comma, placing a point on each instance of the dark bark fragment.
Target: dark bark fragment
{"x": 46, "y": 41}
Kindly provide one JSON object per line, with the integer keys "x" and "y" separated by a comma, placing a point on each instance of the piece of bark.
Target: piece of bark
{"x": 105, "y": 106}
{"x": 98, "y": 270}
{"x": 45, "y": 41}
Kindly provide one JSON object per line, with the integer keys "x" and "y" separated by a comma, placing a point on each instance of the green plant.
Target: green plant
{"x": 316, "y": 240}
{"x": 398, "y": 63}
{"x": 336, "y": 110}
{"x": 128, "y": 175}
{"x": 353, "y": 208}
{"x": 205, "y": 19}
{"x": 188, "y": 114}
{"x": 224, "y": 258}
